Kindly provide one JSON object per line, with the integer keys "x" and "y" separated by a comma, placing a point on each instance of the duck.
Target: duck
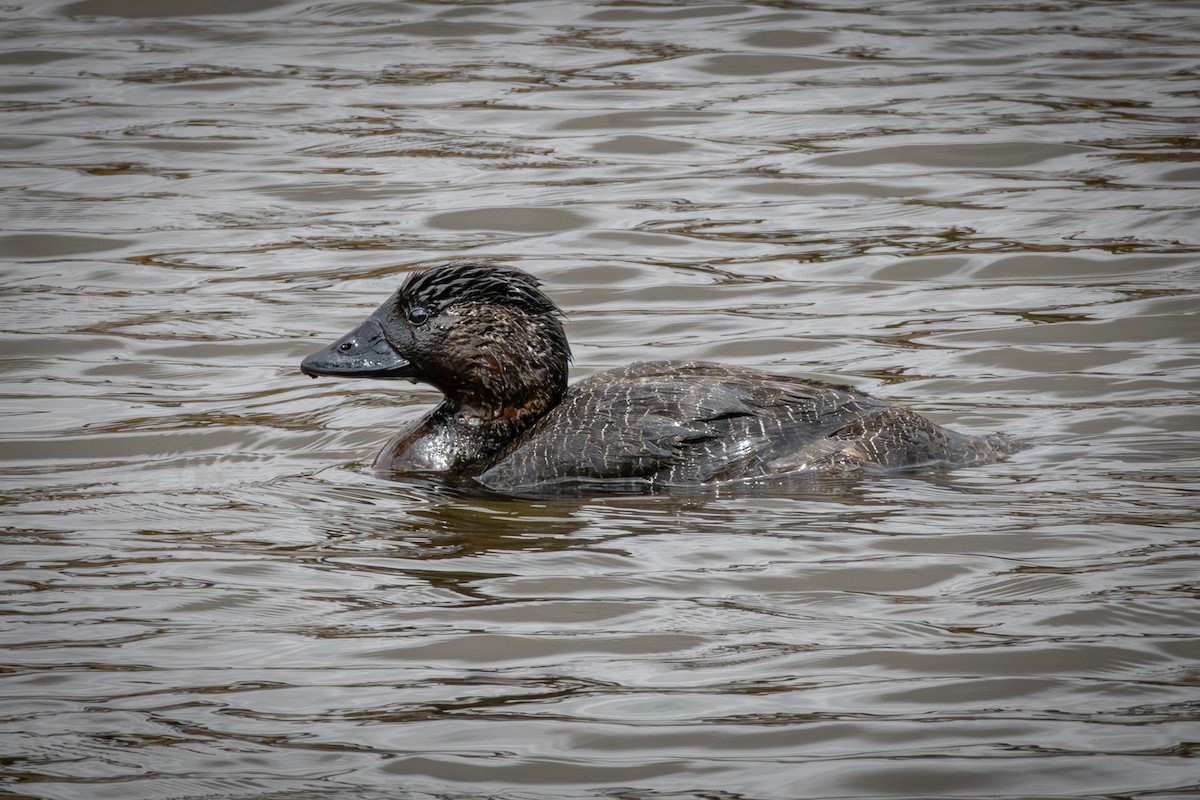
{"x": 492, "y": 342}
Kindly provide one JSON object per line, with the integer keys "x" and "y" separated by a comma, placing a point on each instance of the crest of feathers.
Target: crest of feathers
{"x": 476, "y": 282}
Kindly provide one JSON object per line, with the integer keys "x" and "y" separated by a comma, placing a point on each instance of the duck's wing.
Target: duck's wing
{"x": 680, "y": 422}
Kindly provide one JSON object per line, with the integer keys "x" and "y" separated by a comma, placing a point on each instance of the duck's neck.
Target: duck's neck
{"x": 457, "y": 436}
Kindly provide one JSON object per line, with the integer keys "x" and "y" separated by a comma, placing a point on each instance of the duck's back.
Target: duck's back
{"x": 694, "y": 423}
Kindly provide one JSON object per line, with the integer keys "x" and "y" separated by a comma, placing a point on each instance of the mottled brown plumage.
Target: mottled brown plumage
{"x": 487, "y": 337}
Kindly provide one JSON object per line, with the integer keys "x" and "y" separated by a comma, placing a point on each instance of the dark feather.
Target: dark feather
{"x": 445, "y": 285}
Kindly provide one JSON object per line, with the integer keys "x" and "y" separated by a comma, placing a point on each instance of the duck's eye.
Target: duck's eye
{"x": 417, "y": 315}
{"x": 345, "y": 347}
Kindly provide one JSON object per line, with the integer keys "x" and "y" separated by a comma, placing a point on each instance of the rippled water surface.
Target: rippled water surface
{"x": 985, "y": 211}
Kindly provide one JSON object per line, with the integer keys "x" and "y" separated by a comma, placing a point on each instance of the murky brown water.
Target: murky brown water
{"x": 985, "y": 211}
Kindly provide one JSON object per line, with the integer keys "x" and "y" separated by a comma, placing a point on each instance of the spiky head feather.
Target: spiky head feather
{"x": 462, "y": 282}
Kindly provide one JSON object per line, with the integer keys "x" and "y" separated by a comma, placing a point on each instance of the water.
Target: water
{"x": 984, "y": 211}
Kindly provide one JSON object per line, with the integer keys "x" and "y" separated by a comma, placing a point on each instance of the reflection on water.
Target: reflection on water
{"x": 986, "y": 212}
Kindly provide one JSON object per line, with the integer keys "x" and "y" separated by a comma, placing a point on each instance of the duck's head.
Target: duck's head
{"x": 482, "y": 333}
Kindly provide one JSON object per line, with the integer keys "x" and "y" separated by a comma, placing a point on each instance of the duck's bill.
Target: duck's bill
{"x": 362, "y": 353}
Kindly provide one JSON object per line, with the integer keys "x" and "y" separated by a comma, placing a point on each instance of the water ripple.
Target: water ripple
{"x": 984, "y": 211}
